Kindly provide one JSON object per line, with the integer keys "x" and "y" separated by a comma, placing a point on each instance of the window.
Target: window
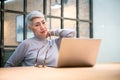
{"x": 75, "y": 14}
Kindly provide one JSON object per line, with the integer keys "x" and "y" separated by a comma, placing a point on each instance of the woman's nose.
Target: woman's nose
{"x": 42, "y": 26}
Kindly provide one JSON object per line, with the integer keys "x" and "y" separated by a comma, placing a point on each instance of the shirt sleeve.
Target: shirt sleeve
{"x": 62, "y": 33}
{"x": 18, "y": 55}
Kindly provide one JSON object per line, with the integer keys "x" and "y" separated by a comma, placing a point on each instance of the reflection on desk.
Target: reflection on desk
{"x": 98, "y": 72}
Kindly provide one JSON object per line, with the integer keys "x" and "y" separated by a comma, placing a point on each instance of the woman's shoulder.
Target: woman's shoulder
{"x": 27, "y": 41}
{"x": 32, "y": 41}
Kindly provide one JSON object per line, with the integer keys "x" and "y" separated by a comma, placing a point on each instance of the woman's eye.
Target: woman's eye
{"x": 37, "y": 25}
{"x": 43, "y": 22}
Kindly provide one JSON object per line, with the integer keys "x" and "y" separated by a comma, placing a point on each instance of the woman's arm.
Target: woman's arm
{"x": 17, "y": 56}
{"x": 62, "y": 33}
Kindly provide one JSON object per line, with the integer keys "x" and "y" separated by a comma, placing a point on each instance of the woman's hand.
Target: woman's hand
{"x": 48, "y": 34}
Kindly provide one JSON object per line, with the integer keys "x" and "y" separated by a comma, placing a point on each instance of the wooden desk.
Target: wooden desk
{"x": 98, "y": 72}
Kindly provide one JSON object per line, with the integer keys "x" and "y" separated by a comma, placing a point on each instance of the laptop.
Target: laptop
{"x": 77, "y": 52}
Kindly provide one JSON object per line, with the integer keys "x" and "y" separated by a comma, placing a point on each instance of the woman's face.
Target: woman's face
{"x": 39, "y": 27}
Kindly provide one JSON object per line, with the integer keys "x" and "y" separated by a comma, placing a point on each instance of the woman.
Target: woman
{"x": 38, "y": 50}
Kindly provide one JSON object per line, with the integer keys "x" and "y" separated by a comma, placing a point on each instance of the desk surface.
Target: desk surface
{"x": 98, "y": 72}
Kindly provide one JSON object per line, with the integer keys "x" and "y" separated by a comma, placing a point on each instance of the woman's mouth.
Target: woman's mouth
{"x": 43, "y": 31}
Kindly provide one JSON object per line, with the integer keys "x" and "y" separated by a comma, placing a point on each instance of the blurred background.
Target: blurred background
{"x": 90, "y": 18}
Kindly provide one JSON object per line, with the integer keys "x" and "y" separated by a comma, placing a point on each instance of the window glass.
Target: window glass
{"x": 53, "y": 23}
{"x": 34, "y": 5}
{"x": 7, "y": 54}
{"x": 16, "y": 5}
{"x": 10, "y": 28}
{"x": 84, "y": 9}
{"x": 69, "y": 8}
{"x": 54, "y": 7}
{"x": 19, "y": 28}
{"x": 84, "y": 29}
{"x": 69, "y": 24}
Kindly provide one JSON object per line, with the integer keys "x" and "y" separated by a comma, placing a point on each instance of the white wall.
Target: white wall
{"x": 106, "y": 15}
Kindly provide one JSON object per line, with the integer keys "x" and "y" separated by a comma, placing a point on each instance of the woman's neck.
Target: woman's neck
{"x": 41, "y": 39}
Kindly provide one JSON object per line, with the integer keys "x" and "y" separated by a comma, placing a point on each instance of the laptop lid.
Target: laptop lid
{"x": 76, "y": 52}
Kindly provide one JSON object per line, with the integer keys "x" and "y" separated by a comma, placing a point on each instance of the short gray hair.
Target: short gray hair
{"x": 32, "y": 15}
